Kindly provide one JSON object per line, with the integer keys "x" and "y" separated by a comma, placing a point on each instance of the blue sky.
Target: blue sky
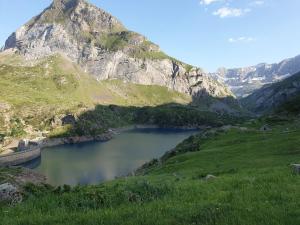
{"x": 205, "y": 33}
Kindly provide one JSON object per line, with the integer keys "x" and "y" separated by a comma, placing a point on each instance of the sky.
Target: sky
{"x": 205, "y": 33}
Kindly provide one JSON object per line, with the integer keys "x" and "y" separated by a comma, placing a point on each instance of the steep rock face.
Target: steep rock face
{"x": 243, "y": 81}
{"x": 272, "y": 96}
{"x": 103, "y": 47}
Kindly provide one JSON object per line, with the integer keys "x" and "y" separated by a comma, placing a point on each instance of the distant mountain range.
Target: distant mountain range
{"x": 244, "y": 81}
{"x": 271, "y": 97}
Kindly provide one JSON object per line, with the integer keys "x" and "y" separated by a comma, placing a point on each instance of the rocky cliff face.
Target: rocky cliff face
{"x": 103, "y": 47}
{"x": 243, "y": 81}
{"x": 272, "y": 96}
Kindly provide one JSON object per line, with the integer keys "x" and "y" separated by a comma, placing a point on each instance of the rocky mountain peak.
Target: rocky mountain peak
{"x": 79, "y": 14}
{"x": 104, "y": 48}
{"x": 64, "y": 4}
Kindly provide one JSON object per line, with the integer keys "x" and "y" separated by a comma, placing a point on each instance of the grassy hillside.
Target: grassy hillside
{"x": 57, "y": 81}
{"x": 254, "y": 184}
{"x": 34, "y": 93}
{"x": 31, "y": 93}
{"x": 291, "y": 106}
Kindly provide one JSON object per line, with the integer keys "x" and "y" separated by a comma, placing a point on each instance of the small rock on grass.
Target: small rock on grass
{"x": 296, "y": 168}
{"x": 209, "y": 177}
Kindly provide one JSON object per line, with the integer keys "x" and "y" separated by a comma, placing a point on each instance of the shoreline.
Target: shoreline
{"x": 143, "y": 126}
{"x": 107, "y": 136}
{"x": 44, "y": 142}
{"x": 110, "y": 134}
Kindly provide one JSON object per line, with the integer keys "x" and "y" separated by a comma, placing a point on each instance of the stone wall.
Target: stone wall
{"x": 19, "y": 157}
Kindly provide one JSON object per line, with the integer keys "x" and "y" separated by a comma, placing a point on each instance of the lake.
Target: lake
{"x": 95, "y": 162}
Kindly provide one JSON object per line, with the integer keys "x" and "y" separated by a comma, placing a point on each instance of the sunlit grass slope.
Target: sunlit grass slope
{"x": 58, "y": 82}
{"x": 36, "y": 91}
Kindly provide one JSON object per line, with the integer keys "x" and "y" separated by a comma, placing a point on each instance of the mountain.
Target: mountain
{"x": 74, "y": 57}
{"x": 271, "y": 97}
{"x": 243, "y": 81}
{"x": 104, "y": 48}
{"x": 31, "y": 96}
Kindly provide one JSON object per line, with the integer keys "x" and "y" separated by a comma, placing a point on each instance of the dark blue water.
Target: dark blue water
{"x": 95, "y": 162}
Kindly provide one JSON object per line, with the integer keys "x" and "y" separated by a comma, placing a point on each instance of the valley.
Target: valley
{"x": 126, "y": 134}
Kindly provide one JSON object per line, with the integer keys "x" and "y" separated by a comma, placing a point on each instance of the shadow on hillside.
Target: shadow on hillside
{"x": 194, "y": 115}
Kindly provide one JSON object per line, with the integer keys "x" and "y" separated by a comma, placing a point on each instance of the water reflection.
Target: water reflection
{"x": 91, "y": 163}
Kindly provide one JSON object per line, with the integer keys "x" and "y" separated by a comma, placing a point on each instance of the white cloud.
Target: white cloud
{"x": 242, "y": 39}
{"x": 208, "y": 2}
{"x": 257, "y": 3}
{"x": 230, "y": 12}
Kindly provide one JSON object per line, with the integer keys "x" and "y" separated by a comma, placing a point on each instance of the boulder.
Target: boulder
{"x": 296, "y": 168}
{"x": 9, "y": 193}
{"x": 209, "y": 177}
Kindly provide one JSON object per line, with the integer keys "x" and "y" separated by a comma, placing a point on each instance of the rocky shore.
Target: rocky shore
{"x": 50, "y": 142}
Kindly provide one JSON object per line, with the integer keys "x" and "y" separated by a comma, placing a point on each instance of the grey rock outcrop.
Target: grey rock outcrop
{"x": 103, "y": 47}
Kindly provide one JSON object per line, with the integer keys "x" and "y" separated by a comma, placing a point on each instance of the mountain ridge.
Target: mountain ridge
{"x": 103, "y": 47}
{"x": 245, "y": 80}
{"x": 271, "y": 96}
{"x": 73, "y": 57}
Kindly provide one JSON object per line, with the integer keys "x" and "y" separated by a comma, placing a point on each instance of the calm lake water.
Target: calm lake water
{"x": 95, "y": 162}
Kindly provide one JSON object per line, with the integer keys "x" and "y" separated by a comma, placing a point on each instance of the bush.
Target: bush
{"x": 17, "y": 129}
{"x": 2, "y": 136}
